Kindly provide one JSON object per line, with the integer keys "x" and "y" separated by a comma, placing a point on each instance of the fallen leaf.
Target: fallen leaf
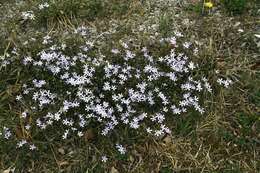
{"x": 61, "y": 151}
{"x": 19, "y": 132}
{"x": 167, "y": 140}
{"x": 89, "y": 135}
{"x": 114, "y": 170}
{"x": 62, "y": 163}
{"x": 7, "y": 170}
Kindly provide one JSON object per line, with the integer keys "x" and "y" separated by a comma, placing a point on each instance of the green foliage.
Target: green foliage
{"x": 166, "y": 170}
{"x": 195, "y": 7}
{"x": 236, "y": 120}
{"x": 165, "y": 24}
{"x": 93, "y": 9}
{"x": 248, "y": 125}
{"x": 234, "y": 6}
{"x": 85, "y": 8}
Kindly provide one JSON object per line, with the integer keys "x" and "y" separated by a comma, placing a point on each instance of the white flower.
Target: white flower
{"x": 38, "y": 83}
{"x": 24, "y": 114}
{"x": 191, "y": 65}
{"x": 21, "y": 143}
{"x": 226, "y": 83}
{"x": 195, "y": 51}
{"x": 28, "y": 15}
{"x": 32, "y": 147}
{"x": 148, "y": 130}
{"x": 6, "y": 133}
{"x": 134, "y": 124}
{"x": 129, "y": 55}
{"x": 120, "y": 149}
{"x": 18, "y": 97}
{"x": 27, "y": 127}
{"x": 186, "y": 45}
{"x": 208, "y": 87}
{"x": 158, "y": 133}
{"x": 80, "y": 134}
{"x": 104, "y": 159}
{"x": 65, "y": 134}
{"x": 172, "y": 40}
{"x": 27, "y": 60}
{"x": 115, "y": 51}
{"x": 178, "y": 34}
{"x": 46, "y": 39}
{"x": 44, "y": 5}
{"x": 124, "y": 45}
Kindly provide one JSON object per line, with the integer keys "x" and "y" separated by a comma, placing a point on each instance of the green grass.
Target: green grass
{"x": 225, "y": 139}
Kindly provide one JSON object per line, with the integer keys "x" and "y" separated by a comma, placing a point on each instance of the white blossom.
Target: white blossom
{"x": 28, "y": 15}
{"x": 120, "y": 149}
{"x": 104, "y": 159}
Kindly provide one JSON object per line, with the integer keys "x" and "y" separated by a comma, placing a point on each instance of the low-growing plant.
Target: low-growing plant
{"x": 73, "y": 85}
{"x": 126, "y": 88}
{"x": 165, "y": 24}
{"x": 56, "y": 10}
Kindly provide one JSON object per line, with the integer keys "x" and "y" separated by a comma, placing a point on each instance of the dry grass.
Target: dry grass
{"x": 226, "y": 139}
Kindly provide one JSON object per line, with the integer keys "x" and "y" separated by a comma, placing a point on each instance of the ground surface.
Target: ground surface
{"x": 225, "y": 139}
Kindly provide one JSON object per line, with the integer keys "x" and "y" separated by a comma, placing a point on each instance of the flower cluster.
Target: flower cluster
{"x": 28, "y": 15}
{"x": 6, "y": 133}
{"x": 44, "y": 5}
{"x": 127, "y": 86}
{"x": 224, "y": 82}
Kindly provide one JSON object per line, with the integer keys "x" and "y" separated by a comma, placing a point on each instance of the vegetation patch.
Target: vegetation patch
{"x": 129, "y": 86}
